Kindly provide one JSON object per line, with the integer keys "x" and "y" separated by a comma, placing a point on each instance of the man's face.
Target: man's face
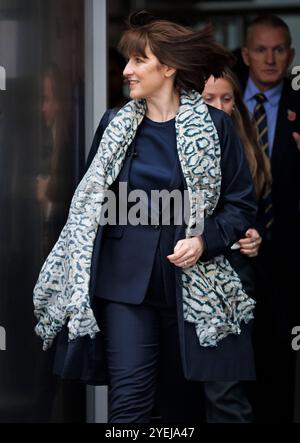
{"x": 268, "y": 55}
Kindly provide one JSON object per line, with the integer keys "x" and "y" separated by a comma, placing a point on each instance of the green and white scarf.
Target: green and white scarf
{"x": 213, "y": 297}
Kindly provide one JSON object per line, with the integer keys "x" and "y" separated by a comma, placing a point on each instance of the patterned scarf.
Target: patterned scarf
{"x": 213, "y": 297}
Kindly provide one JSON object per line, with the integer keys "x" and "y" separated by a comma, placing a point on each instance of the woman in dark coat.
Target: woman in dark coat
{"x": 158, "y": 273}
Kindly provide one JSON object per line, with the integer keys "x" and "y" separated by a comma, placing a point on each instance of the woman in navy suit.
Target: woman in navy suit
{"x": 164, "y": 284}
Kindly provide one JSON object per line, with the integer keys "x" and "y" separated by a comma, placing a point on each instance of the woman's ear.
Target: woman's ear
{"x": 169, "y": 71}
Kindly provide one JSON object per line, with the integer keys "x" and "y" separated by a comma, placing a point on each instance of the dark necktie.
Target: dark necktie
{"x": 260, "y": 119}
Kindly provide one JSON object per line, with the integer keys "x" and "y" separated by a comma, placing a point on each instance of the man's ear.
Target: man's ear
{"x": 291, "y": 55}
{"x": 245, "y": 55}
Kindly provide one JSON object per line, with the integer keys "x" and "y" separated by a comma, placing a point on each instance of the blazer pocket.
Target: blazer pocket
{"x": 113, "y": 231}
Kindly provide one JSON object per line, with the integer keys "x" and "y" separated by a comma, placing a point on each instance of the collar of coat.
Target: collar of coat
{"x": 213, "y": 297}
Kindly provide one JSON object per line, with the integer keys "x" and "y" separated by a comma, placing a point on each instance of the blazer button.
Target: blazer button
{"x": 156, "y": 226}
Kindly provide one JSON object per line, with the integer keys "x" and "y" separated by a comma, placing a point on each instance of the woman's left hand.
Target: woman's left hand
{"x": 187, "y": 252}
{"x": 251, "y": 243}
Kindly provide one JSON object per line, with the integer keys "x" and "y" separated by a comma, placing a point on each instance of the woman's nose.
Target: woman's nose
{"x": 223, "y": 107}
{"x": 128, "y": 70}
{"x": 218, "y": 104}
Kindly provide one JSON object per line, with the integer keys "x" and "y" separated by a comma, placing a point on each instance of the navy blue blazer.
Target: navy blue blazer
{"x": 235, "y": 213}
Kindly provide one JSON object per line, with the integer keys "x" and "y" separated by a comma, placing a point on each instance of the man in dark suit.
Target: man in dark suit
{"x": 276, "y": 108}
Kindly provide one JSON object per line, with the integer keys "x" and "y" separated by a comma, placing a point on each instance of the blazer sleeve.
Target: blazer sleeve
{"x": 237, "y": 207}
{"x": 97, "y": 138}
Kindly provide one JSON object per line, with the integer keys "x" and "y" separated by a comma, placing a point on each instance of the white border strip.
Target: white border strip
{"x": 95, "y": 106}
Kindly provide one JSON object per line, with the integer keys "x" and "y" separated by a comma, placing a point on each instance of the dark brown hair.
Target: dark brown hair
{"x": 258, "y": 162}
{"x": 194, "y": 54}
{"x": 271, "y": 21}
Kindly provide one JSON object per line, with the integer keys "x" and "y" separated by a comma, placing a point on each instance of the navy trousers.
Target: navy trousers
{"x": 136, "y": 337}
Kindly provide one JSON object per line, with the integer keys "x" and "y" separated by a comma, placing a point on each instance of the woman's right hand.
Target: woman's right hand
{"x": 250, "y": 243}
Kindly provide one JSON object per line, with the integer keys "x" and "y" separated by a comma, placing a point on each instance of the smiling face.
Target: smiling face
{"x": 218, "y": 92}
{"x": 146, "y": 76}
{"x": 268, "y": 55}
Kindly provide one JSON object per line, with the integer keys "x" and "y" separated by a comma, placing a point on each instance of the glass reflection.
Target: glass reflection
{"x": 55, "y": 182}
{"x": 41, "y": 160}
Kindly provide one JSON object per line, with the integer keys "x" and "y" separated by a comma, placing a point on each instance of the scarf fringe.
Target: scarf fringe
{"x": 49, "y": 324}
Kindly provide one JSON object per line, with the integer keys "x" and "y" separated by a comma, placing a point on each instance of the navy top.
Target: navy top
{"x": 129, "y": 253}
{"x": 156, "y": 154}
